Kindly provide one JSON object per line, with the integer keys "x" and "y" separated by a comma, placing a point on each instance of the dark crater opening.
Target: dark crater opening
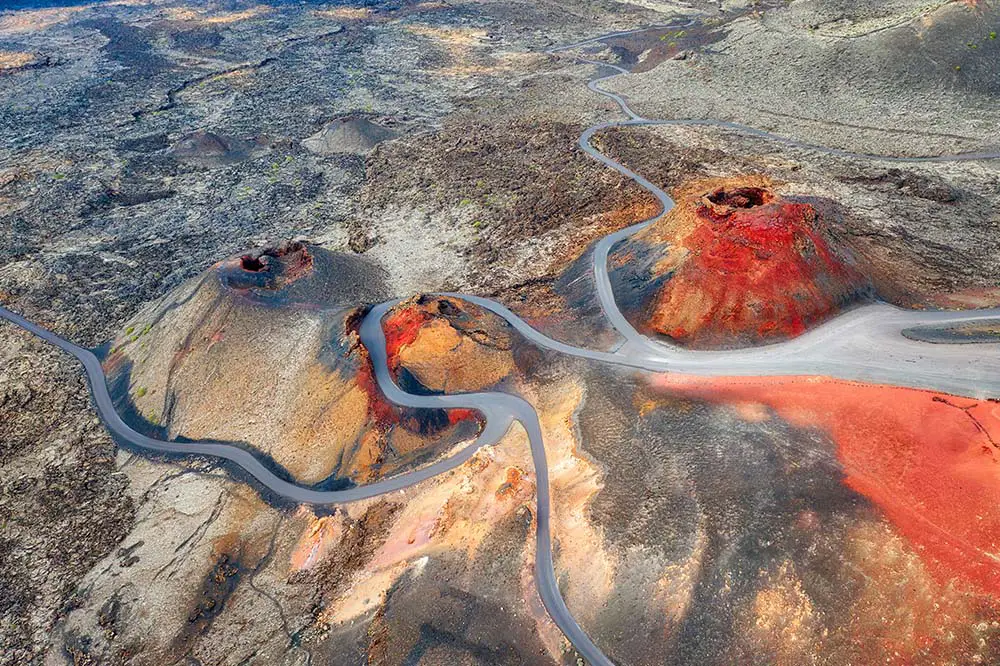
{"x": 742, "y": 197}
{"x": 253, "y": 264}
{"x": 447, "y": 308}
{"x": 293, "y": 253}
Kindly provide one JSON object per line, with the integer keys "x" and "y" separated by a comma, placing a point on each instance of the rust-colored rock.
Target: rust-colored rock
{"x": 277, "y": 266}
{"x": 512, "y": 485}
{"x": 448, "y": 345}
{"x": 735, "y": 263}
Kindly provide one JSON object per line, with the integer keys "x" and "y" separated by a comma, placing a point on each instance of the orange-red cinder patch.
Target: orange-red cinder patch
{"x": 930, "y": 461}
{"x": 762, "y": 270}
{"x": 401, "y": 328}
{"x": 456, "y": 415}
{"x": 379, "y": 409}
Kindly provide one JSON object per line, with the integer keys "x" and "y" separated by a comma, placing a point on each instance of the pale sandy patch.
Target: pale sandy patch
{"x": 31, "y": 20}
{"x": 11, "y": 60}
{"x": 344, "y": 13}
{"x": 191, "y": 14}
{"x": 38, "y": 19}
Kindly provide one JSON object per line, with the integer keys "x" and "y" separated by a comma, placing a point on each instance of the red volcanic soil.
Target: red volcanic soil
{"x": 746, "y": 264}
{"x": 931, "y": 462}
{"x": 400, "y": 327}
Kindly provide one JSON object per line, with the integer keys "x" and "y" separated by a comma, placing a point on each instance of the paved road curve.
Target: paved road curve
{"x": 864, "y": 344}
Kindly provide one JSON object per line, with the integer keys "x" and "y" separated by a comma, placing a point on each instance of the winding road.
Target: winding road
{"x": 864, "y": 344}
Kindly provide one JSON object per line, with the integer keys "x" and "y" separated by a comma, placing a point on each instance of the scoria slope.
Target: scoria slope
{"x": 736, "y": 263}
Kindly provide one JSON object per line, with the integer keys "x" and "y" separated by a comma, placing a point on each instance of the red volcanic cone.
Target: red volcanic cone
{"x": 745, "y": 264}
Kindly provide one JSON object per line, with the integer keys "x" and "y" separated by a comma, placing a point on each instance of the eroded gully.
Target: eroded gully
{"x": 864, "y": 344}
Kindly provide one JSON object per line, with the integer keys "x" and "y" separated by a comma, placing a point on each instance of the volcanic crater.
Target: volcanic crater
{"x": 736, "y": 263}
{"x": 264, "y": 350}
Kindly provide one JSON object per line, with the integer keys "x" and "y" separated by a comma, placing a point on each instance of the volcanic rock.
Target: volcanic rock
{"x": 355, "y": 136}
{"x": 445, "y": 344}
{"x": 736, "y": 263}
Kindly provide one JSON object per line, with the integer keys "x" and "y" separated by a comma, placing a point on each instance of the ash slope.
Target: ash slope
{"x": 901, "y": 78}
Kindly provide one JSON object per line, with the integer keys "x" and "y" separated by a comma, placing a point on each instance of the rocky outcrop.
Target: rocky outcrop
{"x": 208, "y": 149}
{"x": 444, "y": 344}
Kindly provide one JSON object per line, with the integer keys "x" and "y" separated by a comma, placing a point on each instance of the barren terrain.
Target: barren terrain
{"x": 212, "y": 196}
